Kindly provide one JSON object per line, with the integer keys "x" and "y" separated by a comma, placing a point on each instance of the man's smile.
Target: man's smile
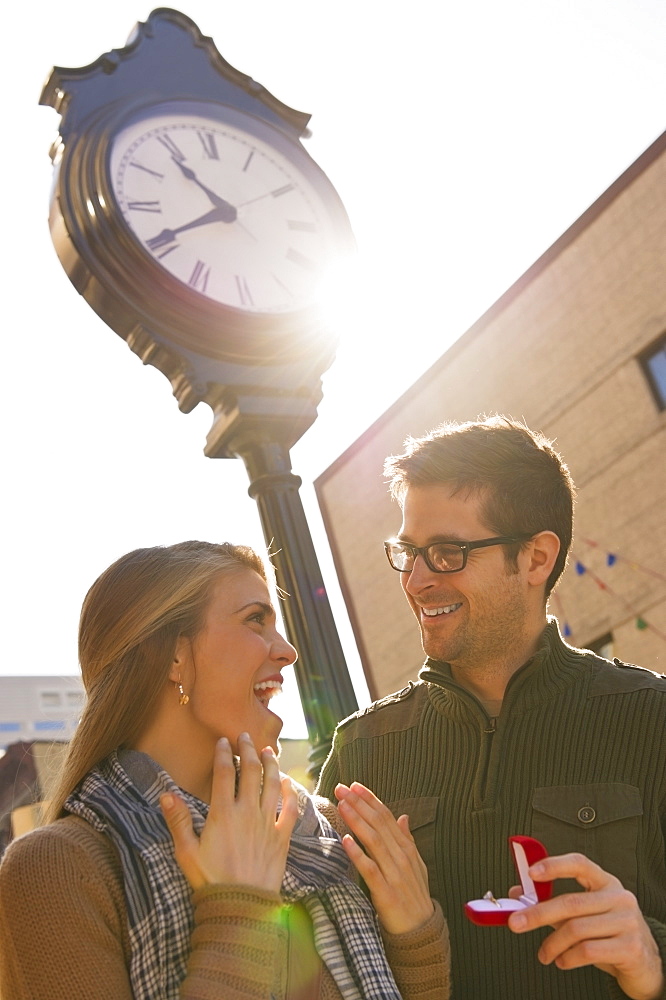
{"x": 445, "y": 610}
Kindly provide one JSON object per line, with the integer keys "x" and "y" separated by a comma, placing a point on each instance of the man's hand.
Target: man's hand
{"x": 243, "y": 842}
{"x": 602, "y": 927}
{"x": 391, "y": 865}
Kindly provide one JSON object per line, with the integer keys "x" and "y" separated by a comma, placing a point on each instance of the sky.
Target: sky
{"x": 463, "y": 139}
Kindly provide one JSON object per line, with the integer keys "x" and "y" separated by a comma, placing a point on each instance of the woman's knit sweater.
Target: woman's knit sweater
{"x": 63, "y": 933}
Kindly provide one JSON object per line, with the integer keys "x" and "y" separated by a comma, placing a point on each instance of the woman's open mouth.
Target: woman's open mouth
{"x": 267, "y": 689}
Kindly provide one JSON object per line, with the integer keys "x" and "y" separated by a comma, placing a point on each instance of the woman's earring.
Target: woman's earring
{"x": 183, "y": 698}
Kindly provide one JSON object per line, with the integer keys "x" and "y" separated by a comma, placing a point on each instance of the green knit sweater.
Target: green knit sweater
{"x": 576, "y": 758}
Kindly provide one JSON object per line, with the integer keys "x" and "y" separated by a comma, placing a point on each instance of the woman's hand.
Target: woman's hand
{"x": 242, "y": 843}
{"x": 391, "y": 865}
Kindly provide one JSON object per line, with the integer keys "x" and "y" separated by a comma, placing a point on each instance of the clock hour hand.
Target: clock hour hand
{"x": 191, "y": 176}
{"x": 222, "y": 213}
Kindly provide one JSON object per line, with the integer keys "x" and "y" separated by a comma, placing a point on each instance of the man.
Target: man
{"x": 512, "y": 731}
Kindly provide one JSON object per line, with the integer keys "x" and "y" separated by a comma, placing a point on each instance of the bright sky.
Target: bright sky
{"x": 463, "y": 138}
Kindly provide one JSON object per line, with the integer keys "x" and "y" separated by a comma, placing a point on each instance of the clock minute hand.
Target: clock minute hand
{"x": 222, "y": 213}
{"x": 191, "y": 176}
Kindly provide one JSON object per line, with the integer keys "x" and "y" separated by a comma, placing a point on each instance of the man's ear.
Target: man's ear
{"x": 542, "y": 551}
{"x": 181, "y": 659}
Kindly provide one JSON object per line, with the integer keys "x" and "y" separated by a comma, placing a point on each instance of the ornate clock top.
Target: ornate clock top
{"x": 157, "y": 51}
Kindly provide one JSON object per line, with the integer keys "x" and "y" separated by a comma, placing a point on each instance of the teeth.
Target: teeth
{"x": 267, "y": 690}
{"x": 433, "y": 612}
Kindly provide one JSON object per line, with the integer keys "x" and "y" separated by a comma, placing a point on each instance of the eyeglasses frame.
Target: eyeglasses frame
{"x": 465, "y": 547}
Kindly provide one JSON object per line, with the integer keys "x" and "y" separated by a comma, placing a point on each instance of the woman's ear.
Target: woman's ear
{"x": 181, "y": 659}
{"x": 542, "y": 551}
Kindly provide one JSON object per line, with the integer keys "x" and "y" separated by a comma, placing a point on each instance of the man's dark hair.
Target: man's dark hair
{"x": 524, "y": 485}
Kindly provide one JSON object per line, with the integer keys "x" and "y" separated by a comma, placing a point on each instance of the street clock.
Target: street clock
{"x": 189, "y": 215}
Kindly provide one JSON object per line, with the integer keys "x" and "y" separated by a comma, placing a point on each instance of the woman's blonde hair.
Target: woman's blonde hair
{"x": 130, "y": 622}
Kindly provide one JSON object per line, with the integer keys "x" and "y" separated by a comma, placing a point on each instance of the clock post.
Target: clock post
{"x": 188, "y": 214}
{"x": 260, "y": 430}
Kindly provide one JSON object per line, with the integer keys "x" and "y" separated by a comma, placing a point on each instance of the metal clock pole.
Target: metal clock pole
{"x": 325, "y": 688}
{"x": 262, "y": 441}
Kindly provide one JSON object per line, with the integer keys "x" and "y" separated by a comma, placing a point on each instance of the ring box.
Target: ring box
{"x": 492, "y": 912}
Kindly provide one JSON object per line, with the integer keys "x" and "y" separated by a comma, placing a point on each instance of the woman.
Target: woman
{"x": 179, "y": 862}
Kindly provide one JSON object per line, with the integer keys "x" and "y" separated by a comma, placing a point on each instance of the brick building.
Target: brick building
{"x": 577, "y": 348}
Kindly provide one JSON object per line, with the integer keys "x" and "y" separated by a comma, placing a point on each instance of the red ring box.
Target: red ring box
{"x": 488, "y": 912}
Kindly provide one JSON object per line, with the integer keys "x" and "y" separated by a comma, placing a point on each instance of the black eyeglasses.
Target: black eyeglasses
{"x": 440, "y": 557}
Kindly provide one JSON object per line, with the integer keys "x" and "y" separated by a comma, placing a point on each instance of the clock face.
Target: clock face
{"x": 228, "y": 213}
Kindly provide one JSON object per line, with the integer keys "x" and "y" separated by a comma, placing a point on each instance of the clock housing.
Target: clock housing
{"x": 188, "y": 213}
{"x": 208, "y": 225}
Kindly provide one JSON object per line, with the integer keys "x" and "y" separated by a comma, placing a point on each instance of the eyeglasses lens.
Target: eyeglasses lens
{"x": 401, "y": 558}
{"x": 444, "y": 558}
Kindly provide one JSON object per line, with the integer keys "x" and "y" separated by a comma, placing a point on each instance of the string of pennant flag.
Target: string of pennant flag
{"x": 611, "y": 559}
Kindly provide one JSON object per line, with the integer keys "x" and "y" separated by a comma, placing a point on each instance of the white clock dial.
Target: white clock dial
{"x": 223, "y": 211}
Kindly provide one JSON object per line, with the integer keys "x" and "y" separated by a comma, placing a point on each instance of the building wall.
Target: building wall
{"x": 39, "y": 708}
{"x": 561, "y": 350}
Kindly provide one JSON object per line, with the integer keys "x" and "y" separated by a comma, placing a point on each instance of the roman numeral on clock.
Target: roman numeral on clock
{"x": 174, "y": 246}
{"x": 282, "y": 190}
{"x": 170, "y": 146}
{"x": 164, "y": 239}
{"x": 209, "y": 145}
{"x": 140, "y": 166}
{"x": 199, "y": 277}
{"x": 299, "y": 258}
{"x": 244, "y": 293}
{"x": 144, "y": 206}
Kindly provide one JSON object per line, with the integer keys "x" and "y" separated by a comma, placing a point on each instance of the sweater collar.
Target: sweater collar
{"x": 554, "y": 667}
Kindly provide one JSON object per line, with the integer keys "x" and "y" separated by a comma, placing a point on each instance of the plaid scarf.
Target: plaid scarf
{"x": 120, "y": 798}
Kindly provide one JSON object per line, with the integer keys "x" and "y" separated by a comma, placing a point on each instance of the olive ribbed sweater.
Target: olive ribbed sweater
{"x": 576, "y": 758}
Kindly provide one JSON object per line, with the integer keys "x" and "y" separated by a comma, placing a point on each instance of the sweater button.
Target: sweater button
{"x": 586, "y": 814}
